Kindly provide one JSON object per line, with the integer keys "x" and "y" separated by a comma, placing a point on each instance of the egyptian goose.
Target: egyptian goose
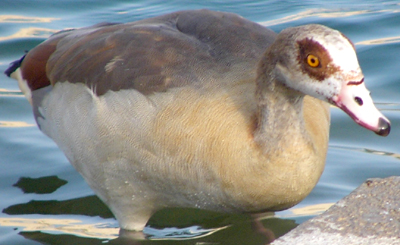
{"x": 195, "y": 109}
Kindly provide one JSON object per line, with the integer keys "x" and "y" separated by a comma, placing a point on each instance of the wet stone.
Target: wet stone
{"x": 368, "y": 215}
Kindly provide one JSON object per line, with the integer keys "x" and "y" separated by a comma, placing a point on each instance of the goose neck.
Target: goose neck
{"x": 280, "y": 120}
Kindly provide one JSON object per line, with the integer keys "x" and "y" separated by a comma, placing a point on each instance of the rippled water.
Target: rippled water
{"x": 45, "y": 201}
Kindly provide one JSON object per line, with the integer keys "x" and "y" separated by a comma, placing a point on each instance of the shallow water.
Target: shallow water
{"x": 45, "y": 201}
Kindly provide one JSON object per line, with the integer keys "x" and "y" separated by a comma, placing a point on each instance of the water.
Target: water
{"x": 45, "y": 201}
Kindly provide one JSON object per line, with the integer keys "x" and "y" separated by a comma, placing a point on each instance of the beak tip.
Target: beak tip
{"x": 384, "y": 127}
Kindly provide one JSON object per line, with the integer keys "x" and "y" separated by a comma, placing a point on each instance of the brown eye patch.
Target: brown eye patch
{"x": 310, "y": 48}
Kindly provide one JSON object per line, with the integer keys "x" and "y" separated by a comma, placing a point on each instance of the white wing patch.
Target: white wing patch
{"x": 22, "y": 84}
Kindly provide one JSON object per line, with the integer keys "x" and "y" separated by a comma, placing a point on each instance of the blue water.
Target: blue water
{"x": 45, "y": 201}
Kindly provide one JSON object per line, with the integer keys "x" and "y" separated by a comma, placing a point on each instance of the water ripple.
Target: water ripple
{"x": 25, "y": 19}
{"x": 11, "y": 93}
{"x": 15, "y": 124}
{"x": 386, "y": 40}
{"x": 367, "y": 150}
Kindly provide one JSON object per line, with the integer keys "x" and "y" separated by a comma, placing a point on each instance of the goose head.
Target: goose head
{"x": 322, "y": 62}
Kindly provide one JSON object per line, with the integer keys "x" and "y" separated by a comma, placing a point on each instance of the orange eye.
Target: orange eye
{"x": 312, "y": 60}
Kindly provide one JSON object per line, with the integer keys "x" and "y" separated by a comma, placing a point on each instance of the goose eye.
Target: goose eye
{"x": 312, "y": 60}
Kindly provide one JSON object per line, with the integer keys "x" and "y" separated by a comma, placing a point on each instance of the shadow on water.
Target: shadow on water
{"x": 232, "y": 234}
{"x": 90, "y": 206}
{"x": 169, "y": 226}
{"x": 43, "y": 185}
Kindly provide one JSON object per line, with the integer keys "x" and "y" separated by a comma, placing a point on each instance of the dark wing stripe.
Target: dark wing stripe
{"x": 14, "y": 66}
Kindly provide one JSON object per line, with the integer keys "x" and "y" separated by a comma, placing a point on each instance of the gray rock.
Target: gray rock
{"x": 368, "y": 215}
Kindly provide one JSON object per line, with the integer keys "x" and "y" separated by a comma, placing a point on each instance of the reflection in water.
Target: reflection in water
{"x": 319, "y": 13}
{"x": 382, "y": 153}
{"x": 27, "y": 31}
{"x": 11, "y": 93}
{"x": 386, "y": 40}
{"x": 13, "y": 124}
{"x": 63, "y": 231}
{"x": 311, "y": 210}
{"x": 210, "y": 226}
{"x": 36, "y": 32}
{"x": 103, "y": 230}
{"x": 173, "y": 233}
{"x": 62, "y": 226}
{"x": 8, "y": 124}
{"x": 366, "y": 150}
{"x": 42, "y": 185}
{"x": 87, "y": 206}
{"x": 388, "y": 106}
{"x": 25, "y": 19}
{"x": 95, "y": 221}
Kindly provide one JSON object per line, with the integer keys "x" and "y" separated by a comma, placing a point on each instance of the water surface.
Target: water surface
{"x": 45, "y": 201}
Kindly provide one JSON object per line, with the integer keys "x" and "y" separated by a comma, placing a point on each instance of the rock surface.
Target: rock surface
{"x": 368, "y": 215}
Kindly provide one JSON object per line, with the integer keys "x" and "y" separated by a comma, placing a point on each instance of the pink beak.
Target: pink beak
{"x": 355, "y": 100}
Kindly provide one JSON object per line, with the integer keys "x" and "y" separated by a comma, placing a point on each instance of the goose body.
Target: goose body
{"x": 195, "y": 109}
